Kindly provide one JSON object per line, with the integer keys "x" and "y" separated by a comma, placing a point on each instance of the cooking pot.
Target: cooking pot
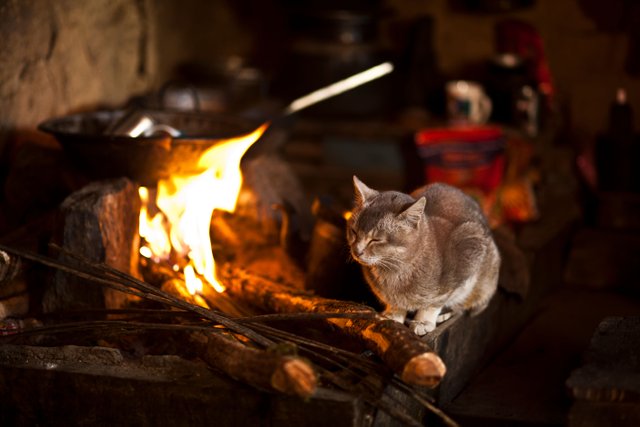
{"x": 97, "y": 150}
{"x": 145, "y": 159}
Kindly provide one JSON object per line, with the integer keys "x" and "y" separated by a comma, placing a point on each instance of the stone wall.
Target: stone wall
{"x": 198, "y": 32}
{"x": 63, "y": 56}
{"x": 59, "y": 57}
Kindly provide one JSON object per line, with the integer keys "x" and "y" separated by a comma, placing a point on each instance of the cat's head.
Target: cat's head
{"x": 383, "y": 226}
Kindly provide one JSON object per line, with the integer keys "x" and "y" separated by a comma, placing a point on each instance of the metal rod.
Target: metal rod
{"x": 339, "y": 87}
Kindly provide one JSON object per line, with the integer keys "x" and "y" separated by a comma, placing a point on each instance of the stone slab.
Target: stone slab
{"x": 84, "y": 386}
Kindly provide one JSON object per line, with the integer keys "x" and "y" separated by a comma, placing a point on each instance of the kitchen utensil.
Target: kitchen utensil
{"x": 145, "y": 159}
{"x": 92, "y": 145}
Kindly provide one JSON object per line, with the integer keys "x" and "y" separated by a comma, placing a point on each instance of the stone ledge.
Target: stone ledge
{"x": 79, "y": 386}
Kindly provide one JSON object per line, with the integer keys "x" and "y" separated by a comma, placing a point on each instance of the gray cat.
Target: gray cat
{"x": 424, "y": 252}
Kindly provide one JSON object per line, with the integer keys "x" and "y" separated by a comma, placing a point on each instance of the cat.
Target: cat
{"x": 425, "y": 251}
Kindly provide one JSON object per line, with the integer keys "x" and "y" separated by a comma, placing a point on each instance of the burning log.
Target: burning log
{"x": 260, "y": 368}
{"x": 404, "y": 352}
{"x": 177, "y": 288}
{"x": 241, "y": 240}
{"x": 173, "y": 282}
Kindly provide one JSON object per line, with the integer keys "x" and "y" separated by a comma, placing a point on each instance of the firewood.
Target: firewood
{"x": 173, "y": 283}
{"x": 240, "y": 240}
{"x": 404, "y": 352}
{"x": 264, "y": 369}
{"x": 100, "y": 221}
{"x": 177, "y": 288}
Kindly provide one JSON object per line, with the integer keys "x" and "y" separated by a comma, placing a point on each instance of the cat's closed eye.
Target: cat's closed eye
{"x": 376, "y": 241}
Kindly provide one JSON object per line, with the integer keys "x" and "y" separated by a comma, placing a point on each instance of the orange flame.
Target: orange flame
{"x": 187, "y": 203}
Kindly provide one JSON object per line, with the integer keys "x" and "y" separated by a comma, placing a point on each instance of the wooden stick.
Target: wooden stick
{"x": 177, "y": 288}
{"x": 160, "y": 273}
{"x": 350, "y": 367}
{"x": 259, "y": 368}
{"x": 108, "y": 276}
{"x": 404, "y": 352}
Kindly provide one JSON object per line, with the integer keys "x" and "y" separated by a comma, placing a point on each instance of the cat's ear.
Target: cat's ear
{"x": 414, "y": 213}
{"x": 362, "y": 192}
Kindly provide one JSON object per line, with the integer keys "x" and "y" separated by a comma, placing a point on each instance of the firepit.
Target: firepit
{"x": 249, "y": 348}
{"x": 134, "y": 274}
{"x": 192, "y": 263}
{"x": 126, "y": 290}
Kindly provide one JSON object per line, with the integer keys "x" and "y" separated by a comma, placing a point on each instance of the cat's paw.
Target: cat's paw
{"x": 443, "y": 317}
{"x": 421, "y": 327}
{"x": 395, "y": 315}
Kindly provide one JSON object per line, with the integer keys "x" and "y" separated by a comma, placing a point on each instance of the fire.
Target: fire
{"x": 186, "y": 204}
{"x": 152, "y": 230}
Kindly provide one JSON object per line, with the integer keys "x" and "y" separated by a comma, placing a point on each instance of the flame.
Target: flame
{"x": 193, "y": 282}
{"x": 187, "y": 203}
{"x": 152, "y": 230}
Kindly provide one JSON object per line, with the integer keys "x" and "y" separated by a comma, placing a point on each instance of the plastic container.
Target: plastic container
{"x": 465, "y": 157}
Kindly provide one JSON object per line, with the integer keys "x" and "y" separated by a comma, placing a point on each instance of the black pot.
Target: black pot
{"x": 146, "y": 160}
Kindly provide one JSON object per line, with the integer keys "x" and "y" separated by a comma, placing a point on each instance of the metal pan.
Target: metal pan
{"x": 99, "y": 153}
{"x": 145, "y": 159}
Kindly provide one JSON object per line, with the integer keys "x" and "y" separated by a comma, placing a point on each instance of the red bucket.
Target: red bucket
{"x": 464, "y": 157}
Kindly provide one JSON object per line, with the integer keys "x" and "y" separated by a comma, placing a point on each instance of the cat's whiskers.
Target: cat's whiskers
{"x": 388, "y": 263}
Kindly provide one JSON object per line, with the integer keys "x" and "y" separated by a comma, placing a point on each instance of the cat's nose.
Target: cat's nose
{"x": 357, "y": 251}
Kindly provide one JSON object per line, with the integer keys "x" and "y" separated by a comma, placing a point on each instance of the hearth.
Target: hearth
{"x": 196, "y": 270}
{"x": 108, "y": 302}
{"x": 290, "y": 354}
